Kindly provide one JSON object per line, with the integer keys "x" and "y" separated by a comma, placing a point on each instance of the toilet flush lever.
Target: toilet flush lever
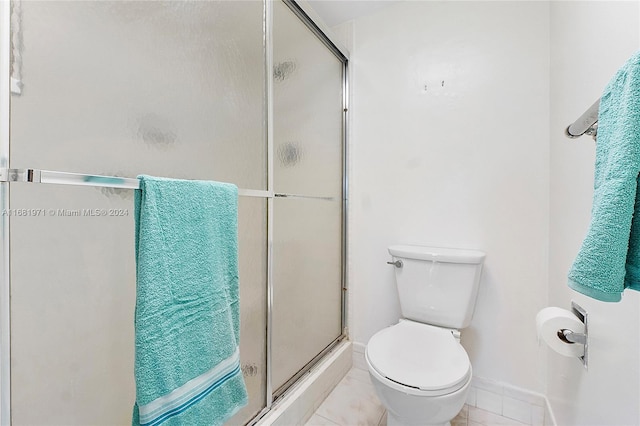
{"x": 397, "y": 263}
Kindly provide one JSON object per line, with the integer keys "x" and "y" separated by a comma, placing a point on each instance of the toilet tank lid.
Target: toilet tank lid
{"x": 438, "y": 254}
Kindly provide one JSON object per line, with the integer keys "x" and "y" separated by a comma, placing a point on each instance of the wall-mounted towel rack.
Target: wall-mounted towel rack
{"x": 65, "y": 178}
{"x": 587, "y": 124}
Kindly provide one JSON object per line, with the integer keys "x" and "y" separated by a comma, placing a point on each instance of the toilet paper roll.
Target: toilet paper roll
{"x": 550, "y": 320}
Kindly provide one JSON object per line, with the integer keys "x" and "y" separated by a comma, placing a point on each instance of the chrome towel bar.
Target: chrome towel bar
{"x": 47, "y": 176}
{"x": 65, "y": 178}
{"x": 587, "y": 124}
{"x": 81, "y": 179}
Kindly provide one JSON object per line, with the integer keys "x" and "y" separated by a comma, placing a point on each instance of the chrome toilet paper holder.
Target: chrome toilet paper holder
{"x": 569, "y": 336}
{"x": 573, "y": 338}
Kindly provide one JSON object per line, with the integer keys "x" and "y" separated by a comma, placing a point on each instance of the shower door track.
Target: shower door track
{"x": 288, "y": 385}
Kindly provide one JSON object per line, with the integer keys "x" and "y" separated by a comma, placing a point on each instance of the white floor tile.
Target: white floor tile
{"x": 352, "y": 403}
{"x": 462, "y": 418}
{"x": 360, "y": 375}
{"x": 317, "y": 420}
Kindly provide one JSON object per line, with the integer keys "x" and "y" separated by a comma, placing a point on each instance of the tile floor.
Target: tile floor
{"x": 354, "y": 403}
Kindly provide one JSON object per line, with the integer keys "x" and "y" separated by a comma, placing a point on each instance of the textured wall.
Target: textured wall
{"x": 586, "y": 50}
{"x": 450, "y": 148}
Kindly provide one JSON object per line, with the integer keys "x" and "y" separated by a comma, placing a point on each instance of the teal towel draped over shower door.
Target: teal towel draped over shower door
{"x": 187, "y": 323}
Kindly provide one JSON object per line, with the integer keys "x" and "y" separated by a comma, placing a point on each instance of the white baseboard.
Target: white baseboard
{"x": 519, "y": 404}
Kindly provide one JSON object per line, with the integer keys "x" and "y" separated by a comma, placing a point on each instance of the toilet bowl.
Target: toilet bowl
{"x": 419, "y": 369}
{"x": 420, "y": 372}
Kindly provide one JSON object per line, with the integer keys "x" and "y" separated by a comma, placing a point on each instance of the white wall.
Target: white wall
{"x": 444, "y": 167}
{"x": 464, "y": 165}
{"x": 586, "y": 51}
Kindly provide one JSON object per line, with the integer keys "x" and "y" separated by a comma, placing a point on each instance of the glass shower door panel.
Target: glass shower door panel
{"x": 72, "y": 306}
{"x": 72, "y": 303}
{"x": 307, "y": 256}
{"x": 252, "y": 247}
{"x": 307, "y": 97}
{"x": 130, "y": 87}
{"x": 165, "y": 88}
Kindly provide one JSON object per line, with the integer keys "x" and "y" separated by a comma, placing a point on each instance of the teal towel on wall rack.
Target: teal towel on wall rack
{"x": 609, "y": 259}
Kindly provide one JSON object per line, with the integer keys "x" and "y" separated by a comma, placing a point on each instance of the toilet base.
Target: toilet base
{"x": 396, "y": 421}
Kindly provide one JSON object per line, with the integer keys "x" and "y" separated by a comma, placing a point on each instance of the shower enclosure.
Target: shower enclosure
{"x": 247, "y": 92}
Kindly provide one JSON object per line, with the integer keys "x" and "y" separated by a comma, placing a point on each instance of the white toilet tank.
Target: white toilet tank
{"x": 437, "y": 285}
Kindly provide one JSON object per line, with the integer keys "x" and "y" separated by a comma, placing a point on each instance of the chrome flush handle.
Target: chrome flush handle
{"x": 397, "y": 263}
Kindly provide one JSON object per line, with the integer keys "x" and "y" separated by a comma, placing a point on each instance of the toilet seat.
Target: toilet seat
{"x": 422, "y": 358}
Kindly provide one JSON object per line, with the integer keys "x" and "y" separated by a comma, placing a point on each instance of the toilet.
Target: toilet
{"x": 418, "y": 367}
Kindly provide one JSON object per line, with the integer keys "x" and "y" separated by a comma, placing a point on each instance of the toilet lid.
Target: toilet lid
{"x": 420, "y": 356}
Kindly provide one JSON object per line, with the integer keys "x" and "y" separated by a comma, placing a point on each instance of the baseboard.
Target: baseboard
{"x": 300, "y": 402}
{"x": 519, "y": 404}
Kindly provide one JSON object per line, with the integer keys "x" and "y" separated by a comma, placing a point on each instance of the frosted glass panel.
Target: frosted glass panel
{"x": 73, "y": 297}
{"x": 307, "y": 96}
{"x": 307, "y": 282}
{"x": 163, "y": 88}
{"x": 170, "y": 89}
{"x": 72, "y": 303}
{"x": 252, "y": 243}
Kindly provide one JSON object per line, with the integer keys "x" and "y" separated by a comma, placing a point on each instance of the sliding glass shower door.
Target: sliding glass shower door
{"x": 169, "y": 89}
{"x": 182, "y": 90}
{"x": 307, "y": 225}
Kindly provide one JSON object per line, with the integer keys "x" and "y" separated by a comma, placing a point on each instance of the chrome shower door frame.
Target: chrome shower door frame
{"x": 5, "y": 306}
{"x": 309, "y": 18}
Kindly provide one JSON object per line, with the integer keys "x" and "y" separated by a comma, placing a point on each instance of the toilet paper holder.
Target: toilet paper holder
{"x": 571, "y": 337}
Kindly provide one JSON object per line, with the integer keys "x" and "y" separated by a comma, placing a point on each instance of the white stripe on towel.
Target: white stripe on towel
{"x": 181, "y": 398}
